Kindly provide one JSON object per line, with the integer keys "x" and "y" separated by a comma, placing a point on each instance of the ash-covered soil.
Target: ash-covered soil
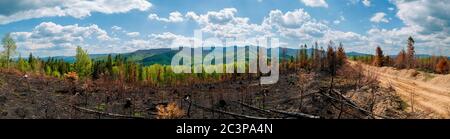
{"x": 296, "y": 95}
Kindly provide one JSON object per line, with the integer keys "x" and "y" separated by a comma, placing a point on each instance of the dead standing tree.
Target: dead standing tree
{"x": 331, "y": 63}
{"x": 303, "y": 79}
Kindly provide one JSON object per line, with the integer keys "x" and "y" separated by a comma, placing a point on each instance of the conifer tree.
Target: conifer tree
{"x": 410, "y": 53}
{"x": 83, "y": 63}
{"x": 379, "y": 58}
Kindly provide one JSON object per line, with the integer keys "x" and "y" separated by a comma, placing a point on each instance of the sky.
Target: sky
{"x": 57, "y": 27}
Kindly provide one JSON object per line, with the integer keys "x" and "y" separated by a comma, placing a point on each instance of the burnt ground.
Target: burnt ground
{"x": 295, "y": 95}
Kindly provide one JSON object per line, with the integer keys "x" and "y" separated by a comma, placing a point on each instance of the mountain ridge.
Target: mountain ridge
{"x": 164, "y": 55}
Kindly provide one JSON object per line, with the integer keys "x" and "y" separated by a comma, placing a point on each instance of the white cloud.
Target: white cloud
{"x": 291, "y": 19}
{"x": 379, "y": 17}
{"x": 429, "y": 15}
{"x": 133, "y": 34}
{"x": 315, "y": 3}
{"x": 338, "y": 21}
{"x": 427, "y": 21}
{"x": 49, "y": 36}
{"x": 366, "y": 3}
{"x": 224, "y": 23}
{"x": 302, "y": 28}
{"x": 342, "y": 18}
{"x": 174, "y": 17}
{"x": 292, "y": 27}
{"x": 352, "y": 2}
{"x": 14, "y": 10}
{"x": 223, "y": 16}
{"x": 116, "y": 28}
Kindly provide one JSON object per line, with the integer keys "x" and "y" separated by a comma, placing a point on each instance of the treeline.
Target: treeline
{"x": 118, "y": 68}
{"x": 115, "y": 68}
{"x": 408, "y": 60}
{"x": 317, "y": 60}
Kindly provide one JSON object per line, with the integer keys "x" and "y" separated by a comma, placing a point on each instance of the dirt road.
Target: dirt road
{"x": 419, "y": 94}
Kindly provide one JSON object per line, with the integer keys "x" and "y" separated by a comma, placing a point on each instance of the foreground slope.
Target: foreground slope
{"x": 423, "y": 91}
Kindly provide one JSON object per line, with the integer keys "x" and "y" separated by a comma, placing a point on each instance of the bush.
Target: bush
{"x": 171, "y": 111}
{"x": 72, "y": 76}
{"x": 442, "y": 67}
{"x": 56, "y": 74}
{"x": 48, "y": 70}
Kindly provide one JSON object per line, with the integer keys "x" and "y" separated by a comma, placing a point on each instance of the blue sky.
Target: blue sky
{"x": 52, "y": 27}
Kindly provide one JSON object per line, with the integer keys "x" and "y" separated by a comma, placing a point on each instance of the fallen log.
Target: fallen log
{"x": 228, "y": 113}
{"x": 352, "y": 114}
{"x": 252, "y": 107}
{"x": 294, "y": 114}
{"x": 105, "y": 113}
{"x": 352, "y": 104}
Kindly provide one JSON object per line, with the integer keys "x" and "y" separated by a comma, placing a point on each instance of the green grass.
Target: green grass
{"x": 101, "y": 107}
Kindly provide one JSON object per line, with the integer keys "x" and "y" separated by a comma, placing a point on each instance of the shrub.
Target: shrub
{"x": 171, "y": 111}
{"x": 442, "y": 67}
{"x": 72, "y": 76}
{"x": 56, "y": 74}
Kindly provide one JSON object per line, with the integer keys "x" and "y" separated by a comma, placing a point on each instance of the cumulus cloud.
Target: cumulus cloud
{"x": 174, "y": 17}
{"x": 49, "y": 36}
{"x": 14, "y": 10}
{"x": 315, "y": 3}
{"x": 429, "y": 15}
{"x": 297, "y": 26}
{"x": 338, "y": 21}
{"x": 292, "y": 27}
{"x": 379, "y": 17}
{"x": 427, "y": 21}
{"x": 366, "y": 3}
{"x": 223, "y": 16}
{"x": 302, "y": 29}
{"x": 133, "y": 34}
{"x": 116, "y": 28}
{"x": 225, "y": 23}
{"x": 290, "y": 19}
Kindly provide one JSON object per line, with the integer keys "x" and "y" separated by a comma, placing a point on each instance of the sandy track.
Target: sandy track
{"x": 425, "y": 96}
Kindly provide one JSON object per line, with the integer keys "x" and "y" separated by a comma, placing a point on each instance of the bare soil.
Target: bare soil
{"x": 425, "y": 92}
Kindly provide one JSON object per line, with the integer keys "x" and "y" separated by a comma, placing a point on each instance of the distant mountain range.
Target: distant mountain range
{"x": 164, "y": 55}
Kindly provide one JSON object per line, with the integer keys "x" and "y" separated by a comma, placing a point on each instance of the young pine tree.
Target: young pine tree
{"x": 109, "y": 64}
{"x": 22, "y": 65}
{"x": 83, "y": 63}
